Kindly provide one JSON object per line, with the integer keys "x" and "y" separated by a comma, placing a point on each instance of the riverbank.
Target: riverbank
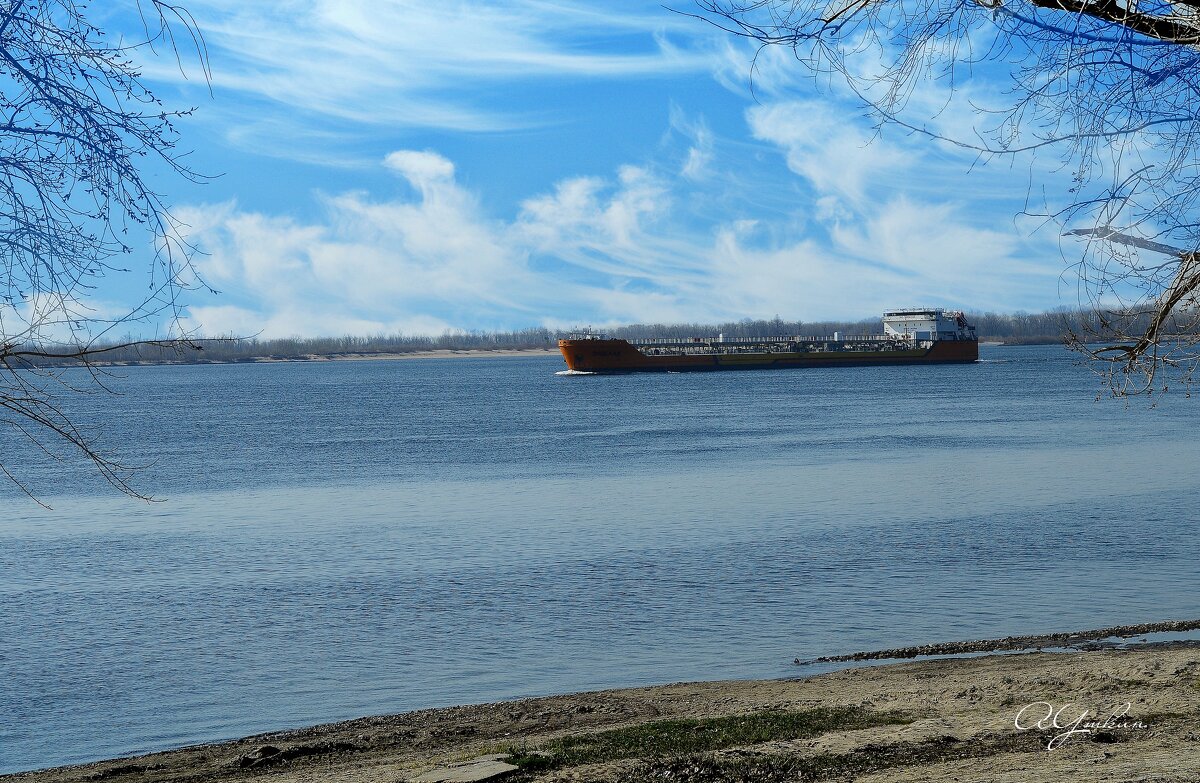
{"x": 933, "y": 720}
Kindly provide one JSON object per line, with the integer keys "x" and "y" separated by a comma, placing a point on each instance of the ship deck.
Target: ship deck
{"x": 708, "y": 346}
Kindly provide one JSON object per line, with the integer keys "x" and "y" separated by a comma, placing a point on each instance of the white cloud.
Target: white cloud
{"x": 422, "y": 169}
{"x": 58, "y": 317}
{"x": 827, "y": 147}
{"x": 369, "y": 266}
{"x": 700, "y": 154}
{"x": 758, "y": 72}
{"x": 376, "y": 266}
{"x": 607, "y": 227}
{"x": 305, "y": 321}
{"x": 594, "y": 249}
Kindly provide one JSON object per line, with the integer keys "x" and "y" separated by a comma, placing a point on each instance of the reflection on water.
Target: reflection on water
{"x": 347, "y": 539}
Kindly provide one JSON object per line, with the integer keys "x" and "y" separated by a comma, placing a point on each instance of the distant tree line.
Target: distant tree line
{"x": 233, "y": 349}
{"x": 1058, "y": 326}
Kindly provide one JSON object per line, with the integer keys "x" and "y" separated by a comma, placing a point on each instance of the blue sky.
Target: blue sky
{"x": 398, "y": 166}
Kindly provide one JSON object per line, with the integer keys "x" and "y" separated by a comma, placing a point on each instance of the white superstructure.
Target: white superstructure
{"x": 927, "y": 323}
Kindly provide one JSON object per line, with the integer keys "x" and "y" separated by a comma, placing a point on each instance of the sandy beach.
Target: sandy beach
{"x": 1122, "y": 715}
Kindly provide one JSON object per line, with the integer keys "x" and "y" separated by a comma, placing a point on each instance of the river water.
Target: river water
{"x": 343, "y": 539}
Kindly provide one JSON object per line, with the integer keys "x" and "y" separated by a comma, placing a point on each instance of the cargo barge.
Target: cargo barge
{"x": 913, "y": 336}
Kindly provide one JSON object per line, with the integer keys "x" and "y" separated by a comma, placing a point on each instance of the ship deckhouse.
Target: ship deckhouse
{"x": 927, "y": 323}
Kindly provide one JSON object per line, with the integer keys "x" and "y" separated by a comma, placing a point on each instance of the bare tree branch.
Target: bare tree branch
{"x": 1164, "y": 28}
{"x": 78, "y": 128}
{"x": 1111, "y": 234}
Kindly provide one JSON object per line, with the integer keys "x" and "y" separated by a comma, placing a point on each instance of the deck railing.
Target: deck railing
{"x": 716, "y": 340}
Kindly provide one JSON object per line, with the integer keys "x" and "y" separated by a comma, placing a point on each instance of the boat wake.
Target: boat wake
{"x": 574, "y": 372}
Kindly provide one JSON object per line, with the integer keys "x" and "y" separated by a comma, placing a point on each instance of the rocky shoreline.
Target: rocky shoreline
{"x": 1078, "y": 640}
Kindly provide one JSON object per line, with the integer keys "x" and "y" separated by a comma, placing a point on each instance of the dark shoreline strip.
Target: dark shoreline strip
{"x": 1070, "y": 639}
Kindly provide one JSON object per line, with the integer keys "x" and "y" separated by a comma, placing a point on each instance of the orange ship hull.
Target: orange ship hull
{"x": 613, "y": 356}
